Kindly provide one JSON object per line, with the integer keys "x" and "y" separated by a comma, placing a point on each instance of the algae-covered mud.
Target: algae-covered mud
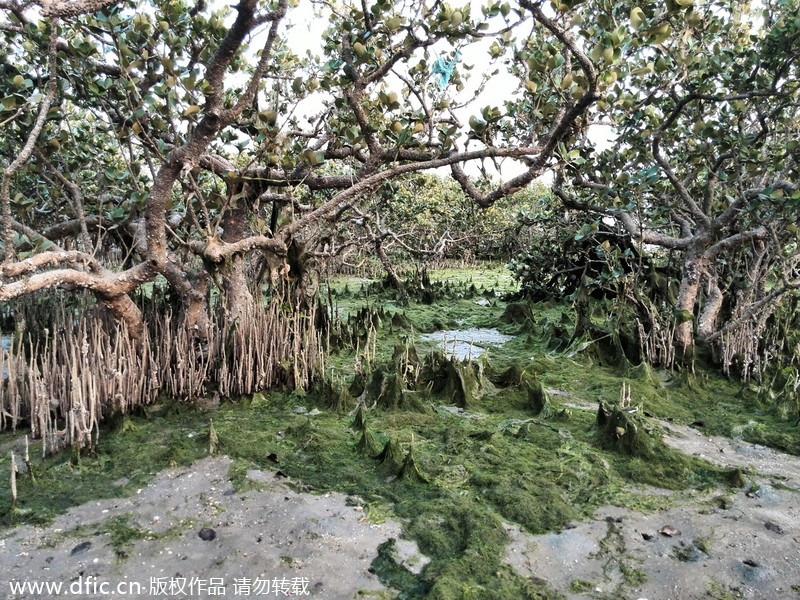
{"x": 533, "y": 470}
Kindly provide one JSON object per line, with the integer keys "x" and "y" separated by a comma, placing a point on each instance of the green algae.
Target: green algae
{"x": 538, "y": 398}
{"x": 391, "y": 458}
{"x": 132, "y": 452}
{"x": 369, "y": 443}
{"x": 410, "y": 470}
{"x": 627, "y": 431}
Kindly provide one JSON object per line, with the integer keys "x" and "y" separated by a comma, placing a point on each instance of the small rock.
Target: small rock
{"x": 207, "y": 534}
{"x": 750, "y": 571}
{"x": 669, "y": 531}
{"x": 767, "y": 494}
{"x": 691, "y": 554}
{"x": 774, "y": 527}
{"x": 750, "y": 563}
{"x": 81, "y": 548}
{"x": 407, "y": 554}
{"x": 647, "y": 536}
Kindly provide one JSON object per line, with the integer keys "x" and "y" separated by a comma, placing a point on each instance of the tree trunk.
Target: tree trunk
{"x": 196, "y": 308}
{"x": 694, "y": 268}
{"x": 391, "y": 275}
{"x": 236, "y": 295}
{"x": 124, "y": 310}
{"x": 706, "y": 325}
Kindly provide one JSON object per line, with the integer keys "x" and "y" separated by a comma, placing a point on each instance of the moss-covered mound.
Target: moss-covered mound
{"x": 627, "y": 431}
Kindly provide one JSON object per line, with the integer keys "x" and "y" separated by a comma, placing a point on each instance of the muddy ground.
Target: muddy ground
{"x": 709, "y": 544}
{"x": 204, "y": 537}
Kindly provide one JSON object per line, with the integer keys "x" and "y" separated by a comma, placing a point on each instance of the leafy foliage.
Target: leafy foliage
{"x": 420, "y": 220}
{"x": 703, "y": 165}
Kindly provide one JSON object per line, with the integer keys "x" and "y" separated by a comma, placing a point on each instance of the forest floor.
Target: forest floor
{"x": 486, "y": 494}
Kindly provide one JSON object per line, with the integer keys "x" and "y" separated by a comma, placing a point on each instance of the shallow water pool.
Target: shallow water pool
{"x": 466, "y": 344}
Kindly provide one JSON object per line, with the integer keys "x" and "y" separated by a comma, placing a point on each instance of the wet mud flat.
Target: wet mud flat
{"x": 188, "y": 534}
{"x": 711, "y": 544}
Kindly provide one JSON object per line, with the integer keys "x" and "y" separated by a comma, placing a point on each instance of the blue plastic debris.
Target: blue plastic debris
{"x": 444, "y": 68}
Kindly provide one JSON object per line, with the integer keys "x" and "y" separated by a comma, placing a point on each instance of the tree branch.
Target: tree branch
{"x": 50, "y": 259}
{"x": 77, "y": 201}
{"x": 687, "y": 198}
{"x": 27, "y": 149}
{"x": 361, "y": 187}
{"x": 562, "y": 125}
{"x": 246, "y": 100}
{"x": 218, "y": 251}
{"x": 735, "y": 241}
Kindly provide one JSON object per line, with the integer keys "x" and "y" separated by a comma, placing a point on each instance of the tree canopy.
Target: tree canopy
{"x": 193, "y": 140}
{"x": 704, "y": 165}
{"x": 173, "y": 134}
